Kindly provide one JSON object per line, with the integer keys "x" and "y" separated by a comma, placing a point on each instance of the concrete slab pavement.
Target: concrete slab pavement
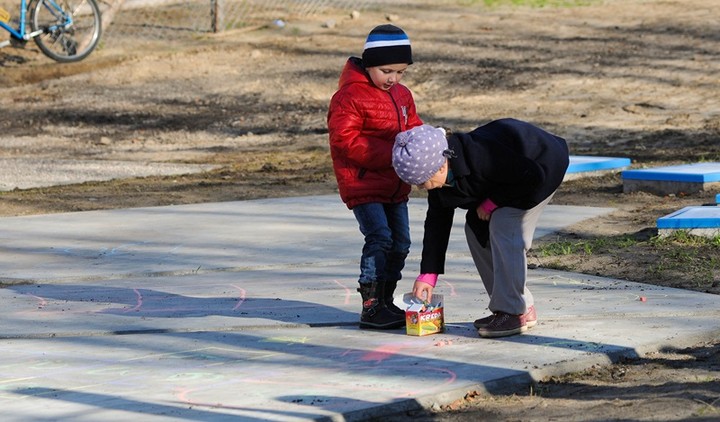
{"x": 248, "y": 311}
{"x": 27, "y": 173}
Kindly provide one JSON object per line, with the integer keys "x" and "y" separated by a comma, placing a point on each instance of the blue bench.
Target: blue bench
{"x": 697, "y": 220}
{"x": 686, "y": 178}
{"x": 585, "y": 165}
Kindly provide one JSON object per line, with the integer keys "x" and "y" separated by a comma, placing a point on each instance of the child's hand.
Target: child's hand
{"x": 485, "y": 209}
{"x": 422, "y": 290}
{"x": 423, "y": 287}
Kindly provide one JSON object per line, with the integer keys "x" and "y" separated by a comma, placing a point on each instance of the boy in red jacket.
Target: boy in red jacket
{"x": 368, "y": 110}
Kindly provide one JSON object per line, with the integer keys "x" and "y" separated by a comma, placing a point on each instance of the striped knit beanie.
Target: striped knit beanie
{"x": 386, "y": 44}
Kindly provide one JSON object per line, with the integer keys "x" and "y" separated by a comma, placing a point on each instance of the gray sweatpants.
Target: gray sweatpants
{"x": 502, "y": 265}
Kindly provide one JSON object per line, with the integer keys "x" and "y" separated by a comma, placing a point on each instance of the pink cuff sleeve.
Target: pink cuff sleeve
{"x": 488, "y": 206}
{"x": 428, "y": 278}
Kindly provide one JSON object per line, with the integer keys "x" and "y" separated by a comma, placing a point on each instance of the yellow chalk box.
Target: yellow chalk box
{"x": 423, "y": 318}
{"x": 4, "y": 15}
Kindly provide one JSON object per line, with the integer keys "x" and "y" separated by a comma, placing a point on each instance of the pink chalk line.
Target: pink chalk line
{"x": 347, "y": 291}
{"x": 138, "y": 303}
{"x": 241, "y": 299}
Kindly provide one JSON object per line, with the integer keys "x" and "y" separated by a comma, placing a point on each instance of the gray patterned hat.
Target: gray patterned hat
{"x": 418, "y": 153}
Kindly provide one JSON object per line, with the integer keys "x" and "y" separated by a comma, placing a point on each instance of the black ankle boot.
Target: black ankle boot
{"x": 375, "y": 314}
{"x": 390, "y": 287}
{"x": 365, "y": 289}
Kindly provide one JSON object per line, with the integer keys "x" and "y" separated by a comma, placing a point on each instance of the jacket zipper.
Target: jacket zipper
{"x": 398, "y": 112}
{"x": 400, "y": 128}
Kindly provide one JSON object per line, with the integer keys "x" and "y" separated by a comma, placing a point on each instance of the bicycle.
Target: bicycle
{"x": 64, "y": 30}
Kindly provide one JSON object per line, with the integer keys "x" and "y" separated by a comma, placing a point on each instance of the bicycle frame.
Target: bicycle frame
{"x": 53, "y": 28}
{"x": 20, "y": 32}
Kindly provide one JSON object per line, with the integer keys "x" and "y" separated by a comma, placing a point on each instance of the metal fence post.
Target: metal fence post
{"x": 215, "y": 18}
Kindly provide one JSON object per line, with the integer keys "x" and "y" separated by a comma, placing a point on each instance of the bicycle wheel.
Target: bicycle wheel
{"x": 70, "y": 29}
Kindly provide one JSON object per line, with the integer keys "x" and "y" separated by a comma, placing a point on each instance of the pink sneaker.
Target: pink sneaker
{"x": 503, "y": 325}
{"x": 531, "y": 317}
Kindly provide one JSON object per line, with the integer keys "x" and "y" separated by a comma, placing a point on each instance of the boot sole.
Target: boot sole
{"x": 390, "y": 326}
{"x": 504, "y": 333}
{"x": 529, "y": 324}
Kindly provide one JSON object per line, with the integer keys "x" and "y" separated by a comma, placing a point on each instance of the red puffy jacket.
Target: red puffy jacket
{"x": 363, "y": 121}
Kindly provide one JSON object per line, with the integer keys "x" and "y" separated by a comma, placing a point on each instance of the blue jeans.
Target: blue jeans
{"x": 386, "y": 228}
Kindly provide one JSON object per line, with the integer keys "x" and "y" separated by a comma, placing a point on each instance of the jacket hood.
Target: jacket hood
{"x": 353, "y": 72}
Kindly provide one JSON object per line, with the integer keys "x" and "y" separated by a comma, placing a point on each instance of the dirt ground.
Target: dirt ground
{"x": 625, "y": 78}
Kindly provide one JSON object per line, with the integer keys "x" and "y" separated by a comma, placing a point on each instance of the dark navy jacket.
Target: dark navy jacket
{"x": 511, "y": 162}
